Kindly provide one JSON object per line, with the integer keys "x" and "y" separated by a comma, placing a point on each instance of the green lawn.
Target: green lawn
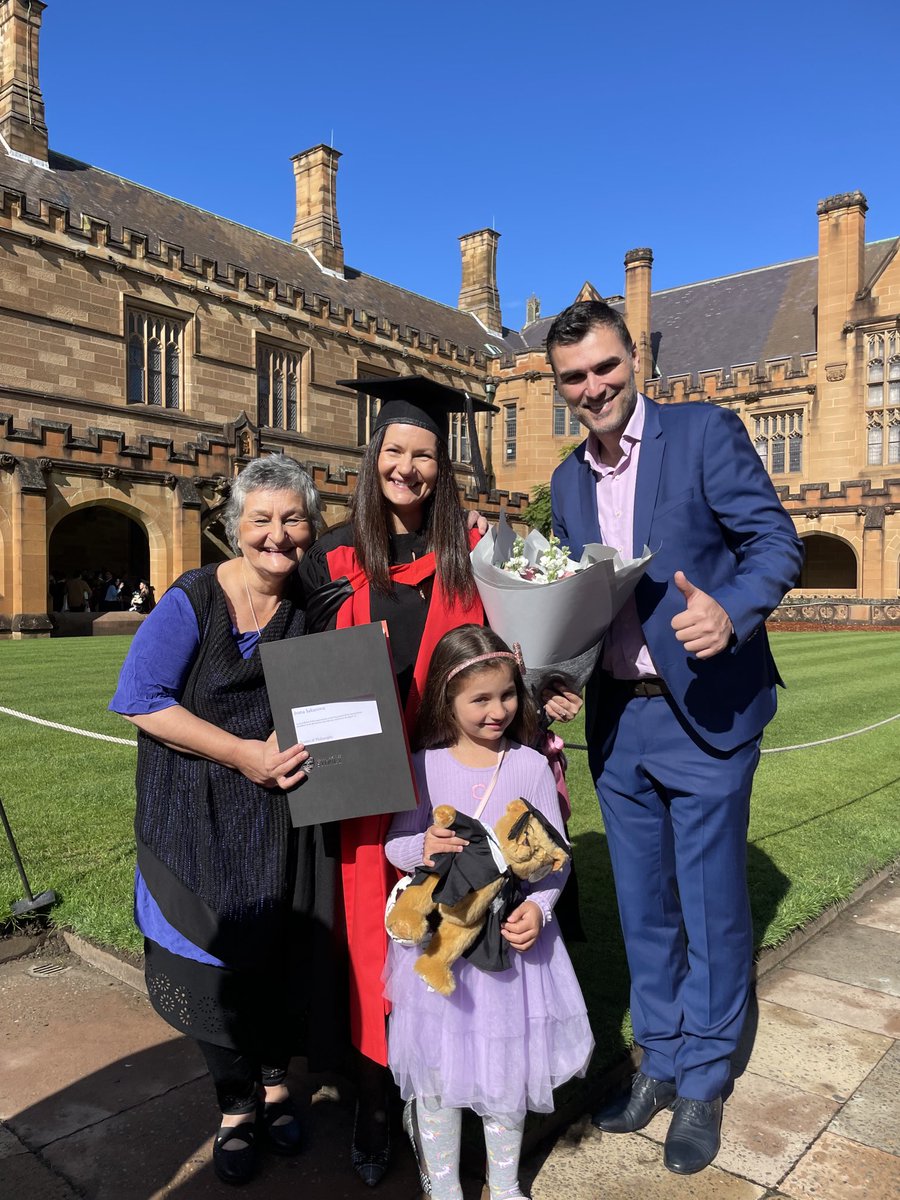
{"x": 69, "y": 799}
{"x": 823, "y": 819}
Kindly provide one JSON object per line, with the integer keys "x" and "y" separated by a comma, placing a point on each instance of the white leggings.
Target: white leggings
{"x": 439, "y": 1130}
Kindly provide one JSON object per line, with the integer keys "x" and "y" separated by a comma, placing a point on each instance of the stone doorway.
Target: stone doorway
{"x": 93, "y": 541}
{"x": 830, "y": 564}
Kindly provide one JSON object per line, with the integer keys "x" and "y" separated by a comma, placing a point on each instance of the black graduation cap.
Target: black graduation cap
{"x": 416, "y": 400}
{"x": 533, "y": 814}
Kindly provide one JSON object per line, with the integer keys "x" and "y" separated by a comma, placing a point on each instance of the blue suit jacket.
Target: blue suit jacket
{"x": 705, "y": 505}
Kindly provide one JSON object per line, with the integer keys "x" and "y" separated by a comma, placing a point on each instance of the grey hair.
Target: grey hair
{"x": 274, "y": 473}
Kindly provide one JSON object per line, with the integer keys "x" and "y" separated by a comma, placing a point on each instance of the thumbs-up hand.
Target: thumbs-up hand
{"x": 704, "y": 628}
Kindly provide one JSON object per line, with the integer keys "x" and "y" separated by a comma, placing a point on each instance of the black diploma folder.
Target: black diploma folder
{"x": 354, "y": 774}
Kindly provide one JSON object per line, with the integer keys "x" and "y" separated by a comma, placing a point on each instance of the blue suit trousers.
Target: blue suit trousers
{"x": 676, "y": 815}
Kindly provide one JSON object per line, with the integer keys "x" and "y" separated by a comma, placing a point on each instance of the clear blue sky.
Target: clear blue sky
{"x": 707, "y": 131}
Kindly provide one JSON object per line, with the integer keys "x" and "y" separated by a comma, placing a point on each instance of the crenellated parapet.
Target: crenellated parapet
{"x": 851, "y": 495}
{"x": 746, "y": 383}
{"x": 195, "y": 276}
{"x": 197, "y": 470}
{"x": 640, "y": 254}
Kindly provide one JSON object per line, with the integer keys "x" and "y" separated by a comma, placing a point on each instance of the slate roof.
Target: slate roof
{"x": 716, "y": 324}
{"x": 90, "y": 191}
{"x": 750, "y": 317}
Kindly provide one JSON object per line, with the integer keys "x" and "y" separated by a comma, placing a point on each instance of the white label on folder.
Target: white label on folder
{"x": 317, "y": 723}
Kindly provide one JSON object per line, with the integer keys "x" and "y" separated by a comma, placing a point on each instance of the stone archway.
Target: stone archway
{"x": 830, "y": 564}
{"x": 98, "y": 538}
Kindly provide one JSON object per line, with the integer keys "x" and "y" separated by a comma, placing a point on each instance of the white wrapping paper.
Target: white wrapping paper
{"x": 552, "y": 622}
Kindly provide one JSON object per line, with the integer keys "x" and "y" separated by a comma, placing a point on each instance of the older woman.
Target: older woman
{"x": 235, "y": 905}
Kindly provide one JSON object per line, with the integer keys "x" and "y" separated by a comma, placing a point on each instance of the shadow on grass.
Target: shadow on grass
{"x": 768, "y": 886}
{"x": 600, "y": 961}
{"x": 827, "y": 812}
{"x": 603, "y": 972}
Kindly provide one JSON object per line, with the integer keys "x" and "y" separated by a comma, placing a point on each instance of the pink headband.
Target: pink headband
{"x": 470, "y": 662}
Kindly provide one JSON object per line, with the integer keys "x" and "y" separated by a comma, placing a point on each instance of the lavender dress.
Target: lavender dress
{"x": 501, "y": 1042}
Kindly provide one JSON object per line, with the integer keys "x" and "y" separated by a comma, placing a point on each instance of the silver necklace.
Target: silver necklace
{"x": 249, "y": 597}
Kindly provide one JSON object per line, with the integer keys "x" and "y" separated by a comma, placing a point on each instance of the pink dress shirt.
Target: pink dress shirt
{"x": 625, "y": 654}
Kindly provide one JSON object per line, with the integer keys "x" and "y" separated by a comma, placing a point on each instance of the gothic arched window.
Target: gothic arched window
{"x": 154, "y": 359}
{"x": 277, "y": 387}
{"x": 883, "y": 397}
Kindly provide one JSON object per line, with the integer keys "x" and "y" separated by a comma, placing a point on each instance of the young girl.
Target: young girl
{"x": 502, "y": 1041}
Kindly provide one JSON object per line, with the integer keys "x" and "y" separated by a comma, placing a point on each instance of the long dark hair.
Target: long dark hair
{"x": 437, "y": 723}
{"x": 443, "y": 524}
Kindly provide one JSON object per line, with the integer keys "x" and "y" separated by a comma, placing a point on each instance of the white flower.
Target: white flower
{"x": 555, "y": 562}
{"x": 548, "y": 566}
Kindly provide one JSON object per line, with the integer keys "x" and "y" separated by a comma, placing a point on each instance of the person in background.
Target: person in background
{"x": 143, "y": 600}
{"x": 110, "y": 601}
{"x": 78, "y": 594}
{"x": 57, "y": 591}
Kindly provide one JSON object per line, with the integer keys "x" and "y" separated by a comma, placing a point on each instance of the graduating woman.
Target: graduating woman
{"x": 403, "y": 558}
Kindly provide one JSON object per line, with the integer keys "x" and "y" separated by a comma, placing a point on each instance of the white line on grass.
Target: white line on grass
{"x": 105, "y": 737}
{"x": 101, "y": 737}
{"x": 838, "y": 738}
{"x": 801, "y": 745}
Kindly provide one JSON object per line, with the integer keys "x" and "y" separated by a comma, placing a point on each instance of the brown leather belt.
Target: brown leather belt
{"x": 642, "y": 687}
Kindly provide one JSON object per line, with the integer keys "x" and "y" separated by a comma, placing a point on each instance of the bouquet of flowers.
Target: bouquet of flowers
{"x": 552, "y": 564}
{"x": 557, "y": 609}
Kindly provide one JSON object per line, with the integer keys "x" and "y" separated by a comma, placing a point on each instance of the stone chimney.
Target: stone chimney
{"x": 478, "y": 294}
{"x": 23, "y": 132}
{"x": 638, "y": 268}
{"x": 532, "y": 309}
{"x": 316, "y": 225}
{"x": 842, "y": 240}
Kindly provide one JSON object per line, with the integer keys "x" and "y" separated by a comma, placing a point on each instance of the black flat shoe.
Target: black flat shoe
{"x": 238, "y": 1165}
{"x": 371, "y": 1164}
{"x": 282, "y": 1137}
{"x": 636, "y": 1109}
{"x": 694, "y": 1135}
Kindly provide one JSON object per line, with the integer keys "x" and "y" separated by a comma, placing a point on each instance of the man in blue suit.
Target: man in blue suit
{"x": 676, "y": 708}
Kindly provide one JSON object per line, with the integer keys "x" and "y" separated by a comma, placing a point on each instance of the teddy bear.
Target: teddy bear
{"x": 465, "y": 896}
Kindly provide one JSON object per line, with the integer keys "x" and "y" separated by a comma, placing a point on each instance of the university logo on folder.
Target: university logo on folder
{"x": 337, "y": 694}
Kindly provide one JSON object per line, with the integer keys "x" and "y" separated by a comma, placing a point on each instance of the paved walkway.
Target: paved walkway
{"x": 99, "y": 1099}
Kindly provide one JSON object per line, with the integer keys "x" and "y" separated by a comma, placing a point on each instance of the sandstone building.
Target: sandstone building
{"x": 147, "y": 349}
{"x": 808, "y": 353}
